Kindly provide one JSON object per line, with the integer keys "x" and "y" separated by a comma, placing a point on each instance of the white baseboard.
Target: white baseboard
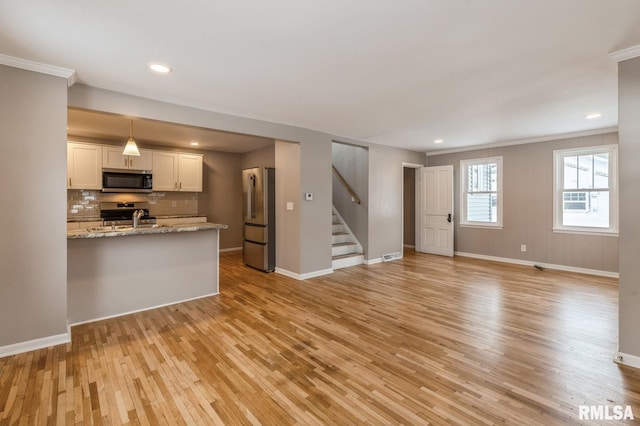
{"x": 301, "y": 277}
{"x": 372, "y": 261}
{"x": 230, "y": 249}
{"x": 565, "y": 268}
{"x": 626, "y": 359}
{"x": 32, "y": 345}
{"x": 141, "y": 310}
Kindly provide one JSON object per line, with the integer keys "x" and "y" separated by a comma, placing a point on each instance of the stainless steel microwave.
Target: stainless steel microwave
{"x": 126, "y": 181}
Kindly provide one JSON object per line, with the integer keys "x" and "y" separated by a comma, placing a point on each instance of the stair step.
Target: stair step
{"x": 346, "y": 260}
{"x": 343, "y": 248}
{"x": 347, "y": 243}
{"x": 345, "y": 256}
{"x": 341, "y": 237}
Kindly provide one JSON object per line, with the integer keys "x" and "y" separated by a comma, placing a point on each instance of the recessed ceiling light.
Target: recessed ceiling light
{"x": 159, "y": 68}
{"x": 194, "y": 143}
{"x": 438, "y": 141}
{"x": 592, "y": 116}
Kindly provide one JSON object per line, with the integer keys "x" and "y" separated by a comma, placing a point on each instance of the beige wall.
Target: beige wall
{"x": 315, "y": 157}
{"x": 287, "y": 162}
{"x": 221, "y": 199}
{"x": 33, "y": 166}
{"x": 528, "y": 209}
{"x": 353, "y": 164}
{"x": 385, "y": 198}
{"x": 263, "y": 157}
{"x": 629, "y": 152}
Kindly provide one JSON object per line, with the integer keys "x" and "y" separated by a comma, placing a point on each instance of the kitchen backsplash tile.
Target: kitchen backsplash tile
{"x": 85, "y": 204}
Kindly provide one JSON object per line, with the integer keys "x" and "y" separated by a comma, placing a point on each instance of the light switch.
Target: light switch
{"x": 308, "y": 196}
{"x": 289, "y": 205}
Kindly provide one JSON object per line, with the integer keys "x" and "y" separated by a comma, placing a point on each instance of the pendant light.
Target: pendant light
{"x": 131, "y": 148}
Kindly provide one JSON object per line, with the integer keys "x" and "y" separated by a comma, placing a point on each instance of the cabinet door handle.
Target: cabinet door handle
{"x": 69, "y": 182}
{"x": 175, "y": 185}
{"x": 180, "y": 185}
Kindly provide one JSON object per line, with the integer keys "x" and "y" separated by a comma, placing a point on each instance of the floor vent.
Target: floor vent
{"x": 391, "y": 256}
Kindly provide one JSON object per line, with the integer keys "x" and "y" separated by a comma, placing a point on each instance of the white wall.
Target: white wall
{"x": 33, "y": 247}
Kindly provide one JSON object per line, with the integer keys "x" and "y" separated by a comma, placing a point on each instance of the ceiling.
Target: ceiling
{"x": 115, "y": 128}
{"x": 400, "y": 73}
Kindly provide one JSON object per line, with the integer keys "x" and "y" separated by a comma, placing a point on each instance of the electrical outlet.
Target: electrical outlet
{"x": 523, "y": 248}
{"x": 174, "y": 204}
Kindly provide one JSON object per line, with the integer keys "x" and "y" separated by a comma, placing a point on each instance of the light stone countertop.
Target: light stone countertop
{"x": 107, "y": 232}
{"x": 99, "y": 219}
{"x": 178, "y": 216}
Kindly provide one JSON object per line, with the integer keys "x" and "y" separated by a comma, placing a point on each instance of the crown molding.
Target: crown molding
{"x": 28, "y": 65}
{"x": 624, "y": 54}
{"x": 601, "y": 131}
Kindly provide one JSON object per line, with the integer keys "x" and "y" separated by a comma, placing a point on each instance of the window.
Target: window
{"x": 586, "y": 190}
{"x": 481, "y": 192}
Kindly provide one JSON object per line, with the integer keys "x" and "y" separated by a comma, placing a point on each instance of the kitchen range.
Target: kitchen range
{"x": 130, "y": 214}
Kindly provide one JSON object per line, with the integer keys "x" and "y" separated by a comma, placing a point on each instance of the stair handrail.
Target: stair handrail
{"x": 346, "y": 186}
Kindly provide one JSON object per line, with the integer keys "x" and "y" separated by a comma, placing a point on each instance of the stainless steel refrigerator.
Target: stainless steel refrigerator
{"x": 259, "y": 230}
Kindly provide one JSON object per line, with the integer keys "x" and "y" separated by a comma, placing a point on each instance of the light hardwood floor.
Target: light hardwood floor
{"x": 420, "y": 340}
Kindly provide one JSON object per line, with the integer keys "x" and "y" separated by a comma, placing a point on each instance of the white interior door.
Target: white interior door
{"x": 435, "y": 211}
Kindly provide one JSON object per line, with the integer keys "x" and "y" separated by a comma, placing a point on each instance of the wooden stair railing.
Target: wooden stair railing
{"x": 344, "y": 183}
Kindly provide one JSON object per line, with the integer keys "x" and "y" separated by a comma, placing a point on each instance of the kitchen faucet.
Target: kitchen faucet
{"x": 136, "y": 217}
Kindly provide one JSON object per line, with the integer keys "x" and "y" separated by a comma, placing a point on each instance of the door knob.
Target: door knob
{"x": 449, "y": 218}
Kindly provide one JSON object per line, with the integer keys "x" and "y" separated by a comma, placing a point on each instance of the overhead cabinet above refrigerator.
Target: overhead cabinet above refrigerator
{"x": 258, "y": 200}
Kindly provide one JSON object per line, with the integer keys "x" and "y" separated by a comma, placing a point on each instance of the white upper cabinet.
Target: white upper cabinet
{"x": 165, "y": 171}
{"x": 112, "y": 158}
{"x": 84, "y": 166}
{"x": 177, "y": 172}
{"x": 190, "y": 172}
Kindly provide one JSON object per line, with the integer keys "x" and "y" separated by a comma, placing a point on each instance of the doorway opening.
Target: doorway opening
{"x": 409, "y": 205}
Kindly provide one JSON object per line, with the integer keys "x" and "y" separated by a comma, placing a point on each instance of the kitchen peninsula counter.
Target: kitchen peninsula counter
{"x": 120, "y": 231}
{"x": 112, "y": 272}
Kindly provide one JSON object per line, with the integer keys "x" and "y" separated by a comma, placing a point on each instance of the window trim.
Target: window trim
{"x": 558, "y": 190}
{"x": 464, "y": 222}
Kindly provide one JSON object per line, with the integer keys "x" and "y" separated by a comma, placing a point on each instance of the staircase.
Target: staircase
{"x": 346, "y": 250}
